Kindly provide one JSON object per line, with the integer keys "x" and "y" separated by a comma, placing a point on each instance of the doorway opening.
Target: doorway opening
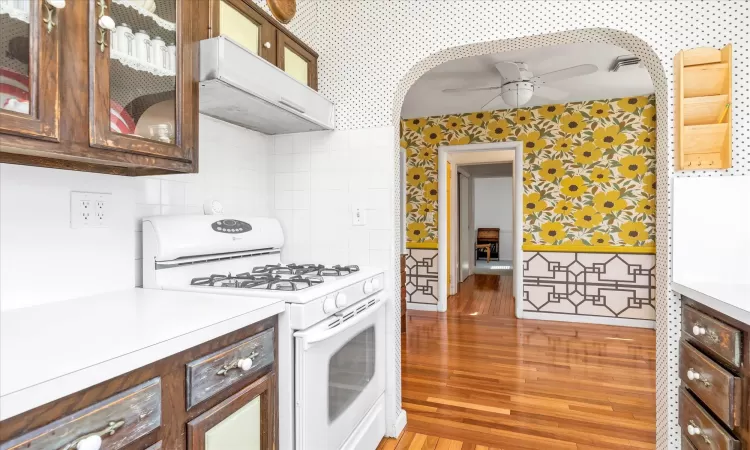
{"x": 583, "y": 252}
{"x": 455, "y": 162}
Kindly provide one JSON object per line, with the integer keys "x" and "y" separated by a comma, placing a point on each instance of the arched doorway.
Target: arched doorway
{"x": 666, "y": 312}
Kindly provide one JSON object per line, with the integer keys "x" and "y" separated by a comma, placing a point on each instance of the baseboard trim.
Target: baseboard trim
{"x": 421, "y": 306}
{"x": 616, "y": 321}
{"x": 399, "y": 426}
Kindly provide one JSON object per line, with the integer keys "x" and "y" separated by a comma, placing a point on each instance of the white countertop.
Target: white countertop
{"x": 53, "y": 350}
{"x": 732, "y": 299}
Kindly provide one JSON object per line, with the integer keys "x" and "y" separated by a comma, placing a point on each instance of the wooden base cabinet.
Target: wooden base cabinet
{"x": 715, "y": 374}
{"x": 150, "y": 408}
{"x": 243, "y": 421}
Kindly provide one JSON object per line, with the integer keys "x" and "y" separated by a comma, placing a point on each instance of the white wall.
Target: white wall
{"x": 493, "y": 208}
{"x": 43, "y": 260}
{"x": 711, "y": 243}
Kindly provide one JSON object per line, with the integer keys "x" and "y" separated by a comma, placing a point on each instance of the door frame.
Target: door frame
{"x": 445, "y": 234}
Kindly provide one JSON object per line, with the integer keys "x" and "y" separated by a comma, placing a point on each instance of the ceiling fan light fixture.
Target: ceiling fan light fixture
{"x": 517, "y": 94}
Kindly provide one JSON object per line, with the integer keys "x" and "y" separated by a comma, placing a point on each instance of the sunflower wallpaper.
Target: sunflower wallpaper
{"x": 589, "y": 170}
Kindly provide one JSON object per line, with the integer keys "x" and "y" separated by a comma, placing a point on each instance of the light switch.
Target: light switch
{"x": 359, "y": 216}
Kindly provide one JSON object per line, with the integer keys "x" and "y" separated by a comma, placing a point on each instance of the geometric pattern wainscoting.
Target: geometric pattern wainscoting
{"x": 616, "y": 285}
{"x": 421, "y": 276}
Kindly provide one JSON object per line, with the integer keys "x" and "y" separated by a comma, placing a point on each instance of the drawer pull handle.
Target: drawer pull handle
{"x": 694, "y": 430}
{"x": 93, "y": 441}
{"x": 244, "y": 364}
{"x": 696, "y": 376}
{"x": 699, "y": 331}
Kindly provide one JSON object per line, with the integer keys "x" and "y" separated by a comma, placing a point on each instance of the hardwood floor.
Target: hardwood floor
{"x": 484, "y": 295}
{"x": 486, "y": 381}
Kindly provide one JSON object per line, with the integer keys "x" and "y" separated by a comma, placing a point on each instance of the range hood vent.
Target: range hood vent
{"x": 242, "y": 88}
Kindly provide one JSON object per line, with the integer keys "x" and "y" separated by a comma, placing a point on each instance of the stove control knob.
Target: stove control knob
{"x": 341, "y": 300}
{"x": 375, "y": 284}
{"x": 368, "y": 287}
{"x": 329, "y": 305}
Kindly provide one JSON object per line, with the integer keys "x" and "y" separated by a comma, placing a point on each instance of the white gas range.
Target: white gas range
{"x": 331, "y": 336}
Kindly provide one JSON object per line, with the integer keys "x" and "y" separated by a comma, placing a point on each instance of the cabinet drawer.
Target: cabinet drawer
{"x": 712, "y": 435}
{"x": 686, "y": 445}
{"x": 119, "y": 420}
{"x": 717, "y": 388}
{"x": 212, "y": 373}
{"x": 713, "y": 335}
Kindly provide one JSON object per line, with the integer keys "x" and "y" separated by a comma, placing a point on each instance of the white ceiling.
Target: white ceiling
{"x": 426, "y": 96}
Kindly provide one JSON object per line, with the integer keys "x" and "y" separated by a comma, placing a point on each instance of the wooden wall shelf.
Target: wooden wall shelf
{"x": 703, "y": 91}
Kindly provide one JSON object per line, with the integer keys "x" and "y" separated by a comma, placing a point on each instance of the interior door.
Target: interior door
{"x": 464, "y": 231}
{"x": 339, "y": 376}
{"x": 244, "y": 421}
{"x": 144, "y": 94}
{"x": 29, "y": 68}
{"x": 448, "y": 213}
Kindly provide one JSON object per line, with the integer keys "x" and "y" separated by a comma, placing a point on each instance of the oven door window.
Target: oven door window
{"x": 350, "y": 370}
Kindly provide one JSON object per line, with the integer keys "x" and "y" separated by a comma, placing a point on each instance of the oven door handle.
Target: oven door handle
{"x": 313, "y": 335}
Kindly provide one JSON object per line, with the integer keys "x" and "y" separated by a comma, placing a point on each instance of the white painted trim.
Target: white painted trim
{"x": 444, "y": 152}
{"x": 635, "y": 323}
{"x": 421, "y": 306}
{"x": 399, "y": 426}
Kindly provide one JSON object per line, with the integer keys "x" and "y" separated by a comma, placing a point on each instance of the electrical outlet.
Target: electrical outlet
{"x": 89, "y": 209}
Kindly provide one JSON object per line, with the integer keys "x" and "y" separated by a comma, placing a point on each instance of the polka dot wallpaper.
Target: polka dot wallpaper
{"x": 372, "y": 51}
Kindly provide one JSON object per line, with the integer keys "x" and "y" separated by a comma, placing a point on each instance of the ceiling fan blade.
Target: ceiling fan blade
{"x": 461, "y": 90}
{"x": 549, "y": 92}
{"x": 496, "y": 103}
{"x": 570, "y": 72}
{"x": 509, "y": 71}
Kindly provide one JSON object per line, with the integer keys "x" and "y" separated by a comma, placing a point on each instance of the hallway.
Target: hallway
{"x": 476, "y": 378}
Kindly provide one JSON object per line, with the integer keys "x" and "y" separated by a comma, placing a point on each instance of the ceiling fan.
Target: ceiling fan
{"x": 519, "y": 84}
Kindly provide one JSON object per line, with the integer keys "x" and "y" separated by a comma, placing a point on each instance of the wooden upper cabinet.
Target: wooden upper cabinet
{"x": 74, "y": 95}
{"x": 238, "y": 21}
{"x": 143, "y": 101}
{"x": 251, "y": 27}
{"x": 29, "y": 69}
{"x": 297, "y": 60}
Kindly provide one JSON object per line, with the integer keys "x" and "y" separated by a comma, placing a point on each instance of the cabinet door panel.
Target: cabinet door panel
{"x": 29, "y": 69}
{"x": 238, "y": 21}
{"x": 143, "y": 98}
{"x": 245, "y": 421}
{"x": 296, "y": 60}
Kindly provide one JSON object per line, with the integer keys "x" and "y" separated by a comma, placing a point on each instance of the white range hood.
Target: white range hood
{"x": 240, "y": 87}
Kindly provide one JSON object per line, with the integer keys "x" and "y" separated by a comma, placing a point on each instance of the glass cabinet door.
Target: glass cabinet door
{"x": 239, "y": 22}
{"x": 143, "y": 99}
{"x": 29, "y": 67}
{"x": 246, "y": 420}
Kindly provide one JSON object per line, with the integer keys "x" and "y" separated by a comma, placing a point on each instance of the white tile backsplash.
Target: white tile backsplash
{"x": 35, "y": 233}
{"x": 309, "y": 181}
{"x": 331, "y": 172}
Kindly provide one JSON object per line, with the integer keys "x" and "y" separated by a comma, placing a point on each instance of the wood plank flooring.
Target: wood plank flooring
{"x": 489, "y": 381}
{"x": 484, "y": 295}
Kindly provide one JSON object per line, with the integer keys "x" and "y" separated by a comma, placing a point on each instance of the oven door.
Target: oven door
{"x": 339, "y": 375}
